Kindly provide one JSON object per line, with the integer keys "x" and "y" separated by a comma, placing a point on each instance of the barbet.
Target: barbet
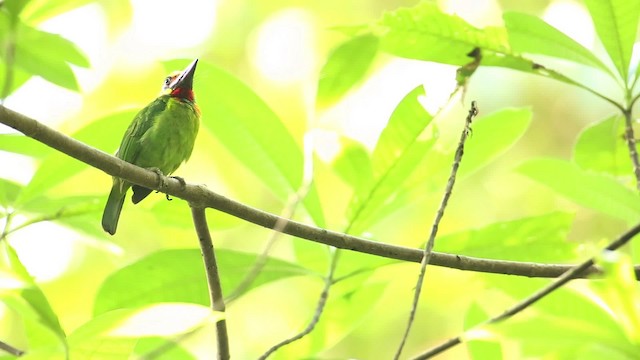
{"x": 161, "y": 137}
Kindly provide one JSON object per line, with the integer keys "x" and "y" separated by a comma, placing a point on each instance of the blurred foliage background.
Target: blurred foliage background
{"x": 85, "y": 68}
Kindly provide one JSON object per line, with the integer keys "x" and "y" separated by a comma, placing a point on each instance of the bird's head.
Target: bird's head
{"x": 179, "y": 84}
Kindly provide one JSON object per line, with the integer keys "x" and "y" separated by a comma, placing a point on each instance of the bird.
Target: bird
{"x": 160, "y": 137}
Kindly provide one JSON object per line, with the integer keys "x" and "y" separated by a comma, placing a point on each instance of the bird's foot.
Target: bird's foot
{"x": 183, "y": 184}
{"x": 162, "y": 182}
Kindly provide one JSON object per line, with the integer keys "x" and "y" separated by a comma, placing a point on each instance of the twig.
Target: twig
{"x": 10, "y": 349}
{"x": 322, "y": 301}
{"x": 205, "y": 198}
{"x": 213, "y": 278}
{"x": 428, "y": 250}
{"x": 560, "y": 281}
{"x": 630, "y": 139}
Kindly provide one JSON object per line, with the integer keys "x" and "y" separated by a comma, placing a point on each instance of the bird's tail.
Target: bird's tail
{"x": 112, "y": 210}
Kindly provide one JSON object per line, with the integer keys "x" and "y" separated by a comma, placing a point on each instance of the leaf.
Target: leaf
{"x": 479, "y": 348}
{"x": 616, "y": 22}
{"x": 161, "y": 349}
{"x": 595, "y": 191}
{"x": 530, "y": 34}
{"x": 103, "y": 134}
{"x": 114, "y": 335}
{"x": 424, "y": 32}
{"x": 620, "y": 292}
{"x": 29, "y": 291}
{"x": 253, "y": 133}
{"x": 178, "y": 276}
{"x": 600, "y": 147}
{"x": 353, "y": 165}
{"x": 48, "y": 55}
{"x": 20, "y": 144}
{"x": 346, "y": 66}
{"x": 9, "y": 191}
{"x": 396, "y": 155}
{"x": 15, "y": 6}
{"x": 537, "y": 238}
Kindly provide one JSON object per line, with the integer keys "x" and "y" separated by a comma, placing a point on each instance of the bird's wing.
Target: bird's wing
{"x": 143, "y": 121}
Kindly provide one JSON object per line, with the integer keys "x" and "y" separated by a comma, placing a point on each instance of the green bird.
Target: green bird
{"x": 161, "y": 137}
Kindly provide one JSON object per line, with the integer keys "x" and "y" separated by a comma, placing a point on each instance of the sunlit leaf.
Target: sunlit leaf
{"x": 161, "y": 349}
{"x": 9, "y": 190}
{"x": 353, "y": 165}
{"x": 595, "y": 191}
{"x": 424, "y": 32}
{"x": 616, "y": 22}
{"x": 346, "y": 66}
{"x": 115, "y": 333}
{"x": 20, "y": 144}
{"x": 478, "y": 348}
{"x": 601, "y": 147}
{"x": 539, "y": 238}
{"x": 253, "y": 133}
{"x": 178, "y": 276}
{"x": 29, "y": 291}
{"x": 530, "y": 34}
{"x": 398, "y": 152}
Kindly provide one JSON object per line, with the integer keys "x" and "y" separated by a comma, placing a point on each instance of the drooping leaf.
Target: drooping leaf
{"x": 616, "y": 22}
{"x": 601, "y": 147}
{"x": 595, "y": 191}
{"x": 346, "y": 66}
{"x": 253, "y": 133}
{"x": 178, "y": 276}
{"x": 530, "y": 34}
{"x": 48, "y": 55}
{"x": 424, "y": 32}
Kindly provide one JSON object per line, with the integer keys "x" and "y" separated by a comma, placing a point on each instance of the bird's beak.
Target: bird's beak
{"x": 185, "y": 80}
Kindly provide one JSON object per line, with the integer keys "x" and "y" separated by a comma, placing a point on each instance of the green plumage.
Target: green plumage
{"x": 161, "y": 136}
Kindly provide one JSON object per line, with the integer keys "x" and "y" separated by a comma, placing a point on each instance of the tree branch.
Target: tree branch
{"x": 10, "y": 349}
{"x": 569, "y": 275}
{"x": 199, "y": 195}
{"x": 213, "y": 279}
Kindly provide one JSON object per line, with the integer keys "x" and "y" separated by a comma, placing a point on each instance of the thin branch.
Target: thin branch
{"x": 10, "y": 349}
{"x": 569, "y": 275}
{"x": 322, "y": 301}
{"x": 213, "y": 278}
{"x": 201, "y": 196}
{"x": 630, "y": 139}
{"x": 428, "y": 250}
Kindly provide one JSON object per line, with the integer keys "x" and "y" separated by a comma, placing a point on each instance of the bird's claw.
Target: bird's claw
{"x": 183, "y": 184}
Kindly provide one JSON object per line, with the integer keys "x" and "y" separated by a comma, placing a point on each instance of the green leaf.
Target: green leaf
{"x": 600, "y": 147}
{"x": 103, "y": 134}
{"x": 346, "y": 66}
{"x": 9, "y": 191}
{"x": 40, "y": 10}
{"x": 530, "y": 34}
{"x": 616, "y": 22}
{"x": 424, "y": 32}
{"x": 48, "y": 55}
{"x": 620, "y": 292}
{"x": 15, "y": 6}
{"x": 114, "y": 335}
{"x": 595, "y": 191}
{"x": 19, "y": 77}
{"x": 29, "y": 291}
{"x": 478, "y": 348}
{"x": 538, "y": 238}
{"x": 161, "y": 349}
{"x": 20, "y": 144}
{"x": 353, "y": 165}
{"x": 253, "y": 133}
{"x": 178, "y": 276}
{"x": 397, "y": 154}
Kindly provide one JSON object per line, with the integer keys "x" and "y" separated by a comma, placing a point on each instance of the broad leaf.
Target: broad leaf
{"x": 346, "y": 66}
{"x": 530, "y": 34}
{"x": 20, "y": 144}
{"x": 595, "y": 191}
{"x": 353, "y": 165}
{"x": 9, "y": 191}
{"x": 616, "y": 22}
{"x": 601, "y": 147}
{"x": 479, "y": 348}
{"x": 178, "y": 276}
{"x": 253, "y": 133}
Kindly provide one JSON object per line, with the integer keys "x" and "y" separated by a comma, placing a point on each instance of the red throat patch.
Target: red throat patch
{"x": 183, "y": 94}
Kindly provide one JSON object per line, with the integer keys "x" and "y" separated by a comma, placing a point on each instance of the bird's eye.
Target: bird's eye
{"x": 167, "y": 81}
